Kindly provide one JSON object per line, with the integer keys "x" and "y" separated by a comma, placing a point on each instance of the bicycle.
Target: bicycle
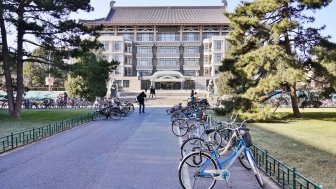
{"x": 209, "y": 168}
{"x": 201, "y": 144}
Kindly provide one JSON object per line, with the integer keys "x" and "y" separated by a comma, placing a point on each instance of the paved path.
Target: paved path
{"x": 135, "y": 152}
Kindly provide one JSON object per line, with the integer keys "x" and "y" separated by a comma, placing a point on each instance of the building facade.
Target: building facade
{"x": 170, "y": 48}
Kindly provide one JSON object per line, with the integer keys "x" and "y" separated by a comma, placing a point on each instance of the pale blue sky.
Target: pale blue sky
{"x": 324, "y": 16}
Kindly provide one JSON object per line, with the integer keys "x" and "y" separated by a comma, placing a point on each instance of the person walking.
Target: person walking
{"x": 151, "y": 92}
{"x": 141, "y": 99}
{"x": 154, "y": 92}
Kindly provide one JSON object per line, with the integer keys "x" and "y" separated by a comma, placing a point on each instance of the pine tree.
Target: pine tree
{"x": 43, "y": 23}
{"x": 270, "y": 45}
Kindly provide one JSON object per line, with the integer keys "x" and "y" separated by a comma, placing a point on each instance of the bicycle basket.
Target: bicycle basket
{"x": 248, "y": 140}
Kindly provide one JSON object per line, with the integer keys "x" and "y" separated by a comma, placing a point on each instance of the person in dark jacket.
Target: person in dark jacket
{"x": 141, "y": 99}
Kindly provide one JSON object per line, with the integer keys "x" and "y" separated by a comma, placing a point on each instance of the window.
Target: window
{"x": 128, "y": 60}
{"x": 191, "y": 61}
{"x": 126, "y": 83}
{"x": 190, "y": 72}
{"x": 208, "y": 35}
{"x": 106, "y": 46}
{"x": 218, "y": 45}
{"x": 189, "y": 84}
{"x": 167, "y": 50}
{"x": 144, "y": 61}
{"x": 117, "y": 58}
{"x": 217, "y": 57}
{"x": 128, "y": 71}
{"x": 145, "y": 72}
{"x": 207, "y": 71}
{"x": 191, "y": 50}
{"x": 117, "y": 47}
{"x": 206, "y": 60}
{"x": 145, "y": 37}
{"x": 144, "y": 50}
{"x": 168, "y": 62}
{"x": 128, "y": 36}
{"x": 217, "y": 70}
{"x": 168, "y": 37}
{"x": 190, "y": 36}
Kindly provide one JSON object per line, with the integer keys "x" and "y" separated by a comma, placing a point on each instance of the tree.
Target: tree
{"x": 43, "y": 23}
{"x": 222, "y": 84}
{"x": 37, "y": 72}
{"x": 270, "y": 45}
{"x": 89, "y": 76}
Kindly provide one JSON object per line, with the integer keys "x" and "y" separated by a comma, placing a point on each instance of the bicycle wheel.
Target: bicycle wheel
{"x": 244, "y": 161}
{"x": 115, "y": 114}
{"x": 131, "y": 108}
{"x": 168, "y": 111}
{"x": 124, "y": 111}
{"x": 175, "y": 115}
{"x": 180, "y": 128}
{"x": 254, "y": 167}
{"x": 191, "y": 145}
{"x": 96, "y": 115}
{"x": 191, "y": 177}
{"x": 100, "y": 114}
{"x": 214, "y": 137}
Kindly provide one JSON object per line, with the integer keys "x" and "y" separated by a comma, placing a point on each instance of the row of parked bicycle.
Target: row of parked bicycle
{"x": 114, "y": 110}
{"x": 210, "y": 147}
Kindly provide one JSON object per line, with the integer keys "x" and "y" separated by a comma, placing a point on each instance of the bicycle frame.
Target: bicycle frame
{"x": 223, "y": 165}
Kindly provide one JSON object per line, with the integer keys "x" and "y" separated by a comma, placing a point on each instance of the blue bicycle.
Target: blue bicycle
{"x": 200, "y": 169}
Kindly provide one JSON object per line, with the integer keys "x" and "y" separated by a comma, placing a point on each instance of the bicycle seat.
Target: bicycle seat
{"x": 208, "y": 131}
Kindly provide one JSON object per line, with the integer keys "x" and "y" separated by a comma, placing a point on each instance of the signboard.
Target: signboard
{"x": 49, "y": 81}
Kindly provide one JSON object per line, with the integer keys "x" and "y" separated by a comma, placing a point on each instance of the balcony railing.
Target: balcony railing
{"x": 144, "y": 67}
{"x": 191, "y": 67}
{"x": 168, "y": 55}
{"x": 191, "y": 55}
{"x": 144, "y": 55}
{"x": 168, "y": 67}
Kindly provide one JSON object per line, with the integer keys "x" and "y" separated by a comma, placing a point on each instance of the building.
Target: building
{"x": 167, "y": 47}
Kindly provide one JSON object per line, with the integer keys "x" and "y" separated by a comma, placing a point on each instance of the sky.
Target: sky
{"x": 324, "y": 16}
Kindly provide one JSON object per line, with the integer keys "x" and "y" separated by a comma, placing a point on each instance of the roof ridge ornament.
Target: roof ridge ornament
{"x": 112, "y": 4}
{"x": 225, "y": 4}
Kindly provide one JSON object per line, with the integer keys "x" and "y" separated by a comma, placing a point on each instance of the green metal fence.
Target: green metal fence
{"x": 283, "y": 175}
{"x": 19, "y": 139}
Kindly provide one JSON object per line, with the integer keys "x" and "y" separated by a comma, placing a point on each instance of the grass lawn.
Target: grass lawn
{"x": 308, "y": 144}
{"x": 36, "y": 118}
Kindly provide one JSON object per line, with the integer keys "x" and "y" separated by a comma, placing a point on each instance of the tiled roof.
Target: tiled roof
{"x": 204, "y": 15}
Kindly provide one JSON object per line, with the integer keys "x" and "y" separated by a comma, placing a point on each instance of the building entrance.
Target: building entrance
{"x": 168, "y": 85}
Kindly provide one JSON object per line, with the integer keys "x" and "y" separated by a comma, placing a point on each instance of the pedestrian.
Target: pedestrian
{"x": 146, "y": 90}
{"x": 154, "y": 92}
{"x": 151, "y": 92}
{"x": 141, "y": 99}
{"x": 192, "y": 94}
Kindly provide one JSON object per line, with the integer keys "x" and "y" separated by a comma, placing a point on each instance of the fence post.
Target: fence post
{"x": 266, "y": 169}
{"x": 294, "y": 178}
{"x": 12, "y": 140}
{"x": 33, "y": 134}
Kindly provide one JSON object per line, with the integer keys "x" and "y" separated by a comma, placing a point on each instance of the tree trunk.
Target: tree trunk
{"x": 6, "y": 63}
{"x": 294, "y": 99}
{"x": 292, "y": 87}
{"x": 19, "y": 63}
